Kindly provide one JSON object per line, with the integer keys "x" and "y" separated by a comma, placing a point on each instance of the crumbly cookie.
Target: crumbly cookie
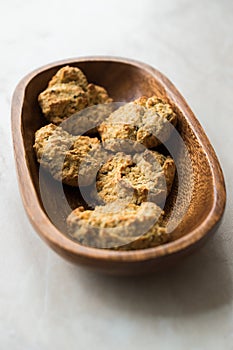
{"x": 60, "y": 101}
{"x": 146, "y": 121}
{"x": 97, "y": 94}
{"x": 69, "y": 74}
{"x": 74, "y": 160}
{"x": 116, "y": 226}
{"x": 68, "y": 92}
{"x": 146, "y": 176}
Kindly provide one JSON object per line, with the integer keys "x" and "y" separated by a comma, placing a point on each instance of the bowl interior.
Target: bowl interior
{"x": 192, "y": 194}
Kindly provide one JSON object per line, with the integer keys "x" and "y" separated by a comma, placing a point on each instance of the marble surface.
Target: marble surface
{"x": 47, "y": 303}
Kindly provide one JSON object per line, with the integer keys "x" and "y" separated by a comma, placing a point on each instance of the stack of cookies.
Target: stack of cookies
{"x": 116, "y": 160}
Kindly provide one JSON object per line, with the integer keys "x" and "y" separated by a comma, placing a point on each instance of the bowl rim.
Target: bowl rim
{"x": 60, "y": 241}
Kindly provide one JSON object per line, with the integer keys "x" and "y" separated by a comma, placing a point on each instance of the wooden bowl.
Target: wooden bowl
{"x": 203, "y": 191}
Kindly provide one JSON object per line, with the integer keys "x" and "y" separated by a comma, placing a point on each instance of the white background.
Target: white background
{"x": 46, "y": 303}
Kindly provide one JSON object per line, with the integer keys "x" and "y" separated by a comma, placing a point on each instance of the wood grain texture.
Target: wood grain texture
{"x": 202, "y": 187}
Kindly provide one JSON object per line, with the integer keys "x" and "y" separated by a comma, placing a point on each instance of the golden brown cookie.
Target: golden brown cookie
{"x": 60, "y": 101}
{"x": 117, "y": 226}
{"x": 146, "y": 176}
{"x": 70, "y": 159}
{"x": 97, "y": 95}
{"x": 69, "y": 74}
{"x": 146, "y": 121}
{"x": 68, "y": 93}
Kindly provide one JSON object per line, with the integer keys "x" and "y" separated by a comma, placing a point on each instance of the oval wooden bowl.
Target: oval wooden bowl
{"x": 125, "y": 80}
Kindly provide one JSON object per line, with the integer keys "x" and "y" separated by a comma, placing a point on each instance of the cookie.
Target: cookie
{"x": 146, "y": 121}
{"x": 74, "y": 160}
{"x": 60, "y": 101}
{"x": 68, "y": 93}
{"x": 146, "y": 176}
{"x": 116, "y": 226}
{"x": 69, "y": 74}
{"x": 97, "y": 95}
